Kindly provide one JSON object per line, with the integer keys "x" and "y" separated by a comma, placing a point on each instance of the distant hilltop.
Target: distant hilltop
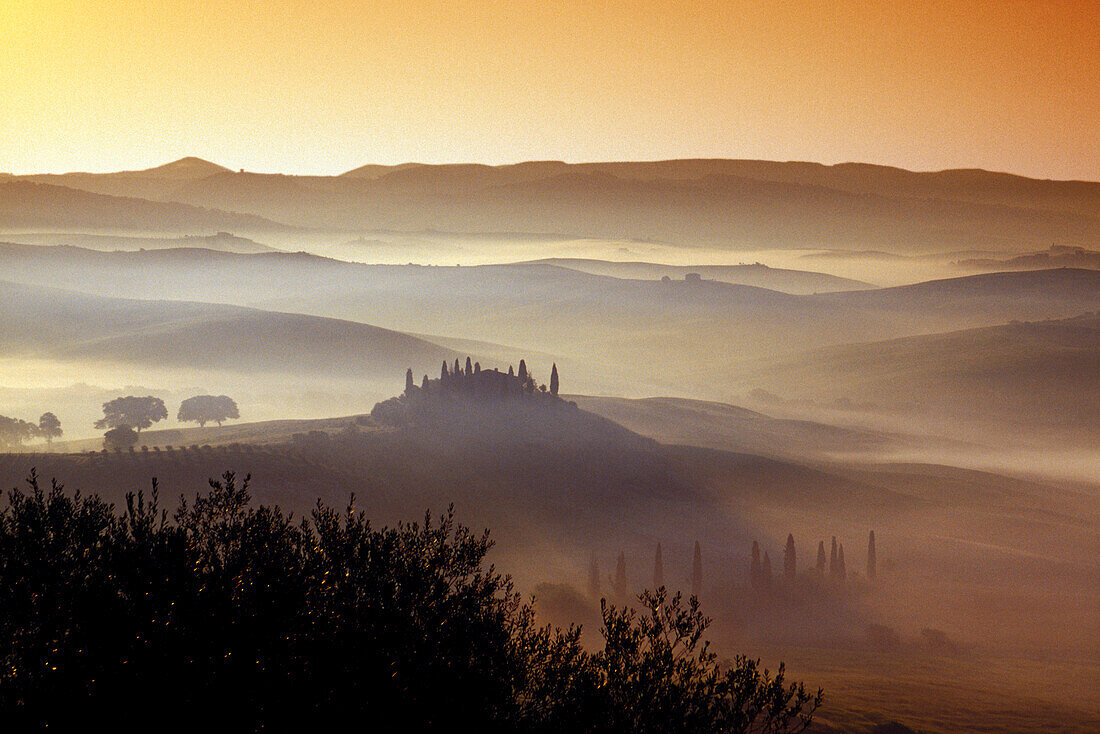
{"x": 467, "y": 384}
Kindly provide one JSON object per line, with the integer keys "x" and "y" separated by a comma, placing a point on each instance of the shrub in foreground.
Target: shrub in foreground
{"x": 239, "y": 618}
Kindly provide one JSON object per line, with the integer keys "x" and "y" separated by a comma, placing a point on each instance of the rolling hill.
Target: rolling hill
{"x": 696, "y": 339}
{"x": 1040, "y": 374}
{"x": 726, "y": 204}
{"x": 800, "y": 282}
{"x": 25, "y": 205}
{"x": 40, "y": 322}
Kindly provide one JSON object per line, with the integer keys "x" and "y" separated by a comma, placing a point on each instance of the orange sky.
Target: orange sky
{"x": 322, "y": 86}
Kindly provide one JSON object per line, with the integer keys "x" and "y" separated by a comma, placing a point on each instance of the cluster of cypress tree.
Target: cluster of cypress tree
{"x": 760, "y": 570}
{"x": 473, "y": 381}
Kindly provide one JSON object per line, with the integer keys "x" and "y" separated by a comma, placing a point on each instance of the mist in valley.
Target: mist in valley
{"x": 691, "y": 374}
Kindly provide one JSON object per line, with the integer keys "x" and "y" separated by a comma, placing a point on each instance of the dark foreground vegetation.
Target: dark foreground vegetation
{"x": 242, "y": 618}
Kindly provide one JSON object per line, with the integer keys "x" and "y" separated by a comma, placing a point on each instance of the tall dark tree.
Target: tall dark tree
{"x": 469, "y": 367}
{"x": 697, "y": 571}
{"x": 594, "y": 579}
{"x": 790, "y": 566}
{"x": 49, "y": 427}
{"x": 821, "y": 557}
{"x": 203, "y": 409}
{"x": 872, "y": 559}
{"x": 554, "y": 379}
{"x": 832, "y": 559}
{"x": 424, "y": 384}
{"x": 133, "y": 412}
{"x": 620, "y": 577}
{"x": 458, "y": 368}
{"x": 658, "y": 569}
{"x": 523, "y": 371}
{"x": 409, "y": 382}
{"x": 443, "y": 374}
{"x": 841, "y": 572}
{"x": 511, "y": 372}
{"x": 477, "y": 368}
{"x": 754, "y": 569}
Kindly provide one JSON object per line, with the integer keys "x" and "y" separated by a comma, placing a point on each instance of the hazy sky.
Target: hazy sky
{"x": 322, "y": 86}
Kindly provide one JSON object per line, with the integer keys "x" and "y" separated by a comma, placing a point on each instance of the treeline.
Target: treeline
{"x": 123, "y": 419}
{"x": 760, "y": 572}
{"x": 232, "y": 617}
{"x": 14, "y": 432}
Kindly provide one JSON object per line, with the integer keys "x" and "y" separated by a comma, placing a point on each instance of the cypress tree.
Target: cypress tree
{"x": 424, "y": 384}
{"x": 841, "y": 573}
{"x": 469, "y": 367}
{"x": 832, "y": 559}
{"x": 477, "y": 368}
{"x": 821, "y": 557}
{"x": 510, "y": 372}
{"x": 754, "y": 569}
{"x": 789, "y": 561}
{"x": 658, "y": 569}
{"x": 523, "y": 371}
{"x": 697, "y": 571}
{"x": 554, "y": 380}
{"x": 458, "y": 368}
{"x": 620, "y": 577}
{"x": 872, "y": 559}
{"x": 443, "y": 373}
{"x": 409, "y": 383}
{"x": 594, "y": 579}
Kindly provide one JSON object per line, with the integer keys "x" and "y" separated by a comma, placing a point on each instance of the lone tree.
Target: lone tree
{"x": 554, "y": 380}
{"x": 131, "y": 411}
{"x": 49, "y": 427}
{"x": 409, "y": 382}
{"x": 203, "y": 409}
{"x": 821, "y": 557}
{"x": 14, "y": 431}
{"x": 119, "y": 438}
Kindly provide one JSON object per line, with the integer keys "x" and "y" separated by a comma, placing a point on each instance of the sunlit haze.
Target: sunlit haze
{"x": 322, "y": 87}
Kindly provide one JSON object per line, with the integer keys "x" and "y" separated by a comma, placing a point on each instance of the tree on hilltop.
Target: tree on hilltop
{"x": 203, "y": 409}
{"x": 131, "y": 411}
{"x": 554, "y": 380}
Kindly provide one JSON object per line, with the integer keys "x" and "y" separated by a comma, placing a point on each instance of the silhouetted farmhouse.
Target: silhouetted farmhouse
{"x": 468, "y": 384}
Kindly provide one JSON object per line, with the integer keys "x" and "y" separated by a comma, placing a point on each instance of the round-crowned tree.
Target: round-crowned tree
{"x": 203, "y": 409}
{"x": 134, "y": 412}
{"x": 49, "y": 426}
{"x": 119, "y": 438}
